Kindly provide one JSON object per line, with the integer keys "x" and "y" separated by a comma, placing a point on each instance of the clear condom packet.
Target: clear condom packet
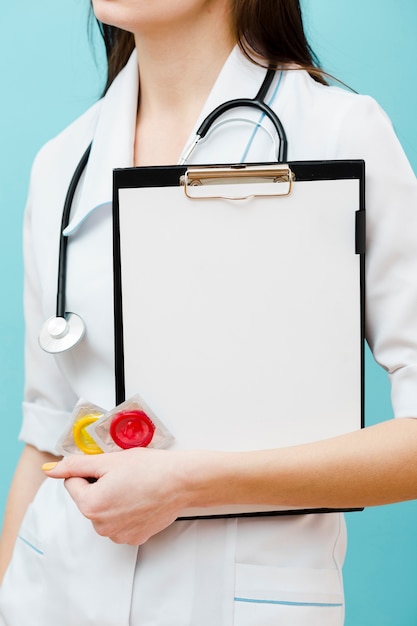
{"x": 131, "y": 424}
{"x": 75, "y": 439}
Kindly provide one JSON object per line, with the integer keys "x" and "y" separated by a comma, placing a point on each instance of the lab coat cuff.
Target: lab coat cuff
{"x": 42, "y": 426}
{"x": 404, "y": 391}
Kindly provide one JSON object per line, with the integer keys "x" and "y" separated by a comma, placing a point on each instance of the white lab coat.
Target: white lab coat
{"x": 238, "y": 572}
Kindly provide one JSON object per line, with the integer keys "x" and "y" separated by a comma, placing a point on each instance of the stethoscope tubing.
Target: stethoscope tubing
{"x": 63, "y": 240}
{"x": 73, "y": 323}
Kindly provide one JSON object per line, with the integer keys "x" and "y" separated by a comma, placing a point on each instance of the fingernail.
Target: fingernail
{"x": 48, "y": 466}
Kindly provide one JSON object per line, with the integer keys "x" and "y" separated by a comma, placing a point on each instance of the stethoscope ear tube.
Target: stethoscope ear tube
{"x": 255, "y": 103}
{"x": 247, "y": 102}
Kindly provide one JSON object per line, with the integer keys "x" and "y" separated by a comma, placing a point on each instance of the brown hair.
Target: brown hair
{"x": 265, "y": 29}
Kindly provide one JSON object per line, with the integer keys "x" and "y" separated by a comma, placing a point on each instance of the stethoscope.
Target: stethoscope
{"x": 65, "y": 330}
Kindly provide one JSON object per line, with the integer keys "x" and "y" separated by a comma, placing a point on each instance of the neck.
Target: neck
{"x": 179, "y": 65}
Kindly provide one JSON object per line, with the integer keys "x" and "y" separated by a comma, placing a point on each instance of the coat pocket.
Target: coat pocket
{"x": 294, "y": 597}
{"x": 23, "y": 573}
{"x": 66, "y": 574}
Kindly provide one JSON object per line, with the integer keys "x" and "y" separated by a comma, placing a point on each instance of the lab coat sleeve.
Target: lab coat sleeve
{"x": 48, "y": 399}
{"x": 391, "y": 254}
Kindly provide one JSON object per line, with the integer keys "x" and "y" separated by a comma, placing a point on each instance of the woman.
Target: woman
{"x": 76, "y": 559}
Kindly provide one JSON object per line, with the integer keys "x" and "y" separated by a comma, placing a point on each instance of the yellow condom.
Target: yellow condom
{"x": 83, "y": 440}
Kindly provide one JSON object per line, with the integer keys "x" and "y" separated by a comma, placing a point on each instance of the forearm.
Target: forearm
{"x": 27, "y": 480}
{"x": 377, "y": 465}
{"x": 139, "y": 492}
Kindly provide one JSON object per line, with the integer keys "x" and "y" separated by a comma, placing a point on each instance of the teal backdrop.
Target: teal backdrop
{"x": 49, "y": 76}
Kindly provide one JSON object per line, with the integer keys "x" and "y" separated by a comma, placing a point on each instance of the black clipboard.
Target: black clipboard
{"x": 239, "y": 291}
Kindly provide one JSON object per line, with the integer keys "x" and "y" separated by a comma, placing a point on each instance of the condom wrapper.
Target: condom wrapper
{"x": 132, "y": 424}
{"x": 76, "y": 439}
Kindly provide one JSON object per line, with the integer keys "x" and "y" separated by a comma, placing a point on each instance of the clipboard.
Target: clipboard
{"x": 239, "y": 303}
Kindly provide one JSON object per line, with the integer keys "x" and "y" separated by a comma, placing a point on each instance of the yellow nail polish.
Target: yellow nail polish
{"x": 48, "y": 466}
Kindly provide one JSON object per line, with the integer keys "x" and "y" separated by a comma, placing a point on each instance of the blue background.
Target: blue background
{"x": 49, "y": 76}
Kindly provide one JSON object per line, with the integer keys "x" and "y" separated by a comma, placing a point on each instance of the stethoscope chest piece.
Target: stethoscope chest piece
{"x": 59, "y": 334}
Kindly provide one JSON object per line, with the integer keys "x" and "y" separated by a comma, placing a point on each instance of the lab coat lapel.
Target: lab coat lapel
{"x": 113, "y": 143}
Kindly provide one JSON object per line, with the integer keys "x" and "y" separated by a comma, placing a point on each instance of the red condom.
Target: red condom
{"x": 132, "y": 429}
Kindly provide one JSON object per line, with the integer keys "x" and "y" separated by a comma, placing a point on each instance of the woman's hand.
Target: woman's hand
{"x": 140, "y": 492}
{"x": 136, "y": 492}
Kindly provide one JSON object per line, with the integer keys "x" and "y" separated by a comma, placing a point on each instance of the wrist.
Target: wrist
{"x": 210, "y": 478}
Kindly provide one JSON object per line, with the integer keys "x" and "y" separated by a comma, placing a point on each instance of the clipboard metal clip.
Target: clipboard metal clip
{"x": 237, "y": 182}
